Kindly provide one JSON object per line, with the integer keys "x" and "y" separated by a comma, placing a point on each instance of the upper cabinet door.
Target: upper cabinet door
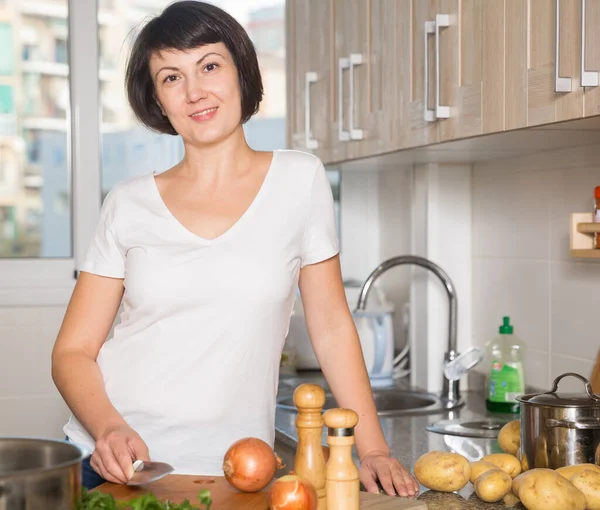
{"x": 310, "y": 107}
{"x": 591, "y": 57}
{"x": 418, "y": 72}
{"x": 554, "y": 81}
{"x": 458, "y": 34}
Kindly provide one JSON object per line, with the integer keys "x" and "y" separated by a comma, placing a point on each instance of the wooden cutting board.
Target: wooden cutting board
{"x": 177, "y": 488}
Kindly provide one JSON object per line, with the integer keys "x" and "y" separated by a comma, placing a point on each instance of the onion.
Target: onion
{"x": 250, "y": 464}
{"x": 290, "y": 492}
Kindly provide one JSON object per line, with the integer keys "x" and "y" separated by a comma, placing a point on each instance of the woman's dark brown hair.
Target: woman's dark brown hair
{"x": 185, "y": 25}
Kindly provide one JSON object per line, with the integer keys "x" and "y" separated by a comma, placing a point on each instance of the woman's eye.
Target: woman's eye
{"x": 211, "y": 67}
{"x": 171, "y": 78}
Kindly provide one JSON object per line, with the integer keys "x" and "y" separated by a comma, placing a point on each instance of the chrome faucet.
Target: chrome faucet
{"x": 450, "y": 389}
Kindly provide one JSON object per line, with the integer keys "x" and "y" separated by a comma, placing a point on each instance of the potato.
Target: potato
{"x": 479, "y": 467}
{"x": 510, "y": 500}
{"x": 569, "y": 471}
{"x": 442, "y": 471}
{"x": 544, "y": 489}
{"x": 493, "y": 485}
{"x": 524, "y": 462}
{"x": 588, "y": 482}
{"x": 509, "y": 437}
{"x": 506, "y": 462}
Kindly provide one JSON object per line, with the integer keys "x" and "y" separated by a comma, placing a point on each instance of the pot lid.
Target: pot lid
{"x": 554, "y": 399}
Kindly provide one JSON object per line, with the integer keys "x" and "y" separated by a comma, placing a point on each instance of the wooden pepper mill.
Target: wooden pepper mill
{"x": 341, "y": 474}
{"x": 309, "y": 462}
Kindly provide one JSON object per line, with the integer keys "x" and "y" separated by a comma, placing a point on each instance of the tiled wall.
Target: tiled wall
{"x": 29, "y": 402}
{"x": 521, "y": 263}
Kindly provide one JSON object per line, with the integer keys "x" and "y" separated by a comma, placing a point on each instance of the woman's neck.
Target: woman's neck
{"x": 224, "y": 159}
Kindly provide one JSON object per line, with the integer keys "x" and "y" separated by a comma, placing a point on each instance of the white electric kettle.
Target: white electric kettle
{"x": 375, "y": 329}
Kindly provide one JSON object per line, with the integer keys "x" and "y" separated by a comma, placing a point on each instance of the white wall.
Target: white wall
{"x": 30, "y": 403}
{"x": 521, "y": 263}
{"x": 375, "y": 221}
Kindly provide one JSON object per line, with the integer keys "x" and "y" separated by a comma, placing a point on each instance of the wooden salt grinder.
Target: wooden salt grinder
{"x": 341, "y": 474}
{"x": 309, "y": 462}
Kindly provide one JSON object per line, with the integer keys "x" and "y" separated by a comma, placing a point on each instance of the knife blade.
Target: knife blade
{"x": 147, "y": 472}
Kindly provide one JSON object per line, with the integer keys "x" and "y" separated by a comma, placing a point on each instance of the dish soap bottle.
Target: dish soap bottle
{"x": 506, "y": 379}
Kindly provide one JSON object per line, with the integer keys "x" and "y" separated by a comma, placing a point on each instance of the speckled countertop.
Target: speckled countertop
{"x": 408, "y": 440}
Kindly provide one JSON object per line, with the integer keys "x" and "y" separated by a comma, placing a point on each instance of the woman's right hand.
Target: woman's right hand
{"x": 116, "y": 450}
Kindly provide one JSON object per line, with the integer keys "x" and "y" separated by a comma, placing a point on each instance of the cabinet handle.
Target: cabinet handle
{"x": 311, "y": 143}
{"x": 355, "y": 133}
{"x": 343, "y": 63}
{"x": 588, "y": 78}
{"x": 441, "y": 21}
{"x": 562, "y": 84}
{"x": 428, "y": 114}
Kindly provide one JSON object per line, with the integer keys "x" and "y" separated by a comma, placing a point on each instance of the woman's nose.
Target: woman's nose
{"x": 194, "y": 91}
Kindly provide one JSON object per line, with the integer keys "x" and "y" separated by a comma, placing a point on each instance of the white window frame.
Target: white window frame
{"x": 45, "y": 281}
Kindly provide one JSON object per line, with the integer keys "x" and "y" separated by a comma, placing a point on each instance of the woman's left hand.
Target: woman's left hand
{"x": 393, "y": 476}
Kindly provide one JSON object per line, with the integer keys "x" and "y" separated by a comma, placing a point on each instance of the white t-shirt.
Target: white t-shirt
{"x": 193, "y": 364}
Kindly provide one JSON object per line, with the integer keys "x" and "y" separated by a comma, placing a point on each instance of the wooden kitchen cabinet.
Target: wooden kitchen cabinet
{"x": 367, "y": 77}
{"x": 309, "y": 67}
{"x": 339, "y": 72}
{"x": 460, "y": 66}
{"x": 532, "y": 59}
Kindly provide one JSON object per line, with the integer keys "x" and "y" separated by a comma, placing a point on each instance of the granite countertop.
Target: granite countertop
{"x": 408, "y": 439}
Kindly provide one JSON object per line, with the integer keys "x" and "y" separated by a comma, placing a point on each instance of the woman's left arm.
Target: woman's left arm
{"x": 337, "y": 347}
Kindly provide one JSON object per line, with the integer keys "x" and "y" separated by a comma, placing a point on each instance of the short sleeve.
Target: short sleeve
{"x": 105, "y": 255}
{"x": 320, "y": 240}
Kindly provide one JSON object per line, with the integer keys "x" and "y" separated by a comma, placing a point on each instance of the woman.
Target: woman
{"x": 206, "y": 258}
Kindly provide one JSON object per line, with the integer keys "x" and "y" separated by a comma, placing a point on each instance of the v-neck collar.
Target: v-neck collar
{"x": 237, "y": 224}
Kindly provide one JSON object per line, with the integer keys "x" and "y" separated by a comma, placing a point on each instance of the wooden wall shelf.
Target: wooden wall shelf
{"x": 582, "y": 236}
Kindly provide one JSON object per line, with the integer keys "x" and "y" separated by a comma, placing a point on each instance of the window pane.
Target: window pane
{"x": 35, "y": 197}
{"x": 127, "y": 148}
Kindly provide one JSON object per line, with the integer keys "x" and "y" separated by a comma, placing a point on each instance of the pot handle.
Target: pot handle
{"x": 588, "y": 386}
{"x": 587, "y": 424}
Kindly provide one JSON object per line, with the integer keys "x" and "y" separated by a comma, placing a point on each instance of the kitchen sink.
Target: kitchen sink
{"x": 390, "y": 402}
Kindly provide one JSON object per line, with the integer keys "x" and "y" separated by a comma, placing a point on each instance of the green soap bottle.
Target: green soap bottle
{"x": 505, "y": 370}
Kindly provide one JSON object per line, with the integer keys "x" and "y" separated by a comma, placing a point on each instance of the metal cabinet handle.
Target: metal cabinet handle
{"x": 588, "y": 78}
{"x": 355, "y": 133}
{"x": 311, "y": 143}
{"x": 428, "y": 114}
{"x": 561, "y": 83}
{"x": 441, "y": 21}
{"x": 343, "y": 63}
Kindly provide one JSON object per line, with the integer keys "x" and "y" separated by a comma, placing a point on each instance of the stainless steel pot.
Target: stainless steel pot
{"x": 40, "y": 474}
{"x": 560, "y": 429}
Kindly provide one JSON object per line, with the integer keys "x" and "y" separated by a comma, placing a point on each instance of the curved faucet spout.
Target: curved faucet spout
{"x": 451, "y": 391}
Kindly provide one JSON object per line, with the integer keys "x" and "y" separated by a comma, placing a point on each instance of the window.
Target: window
{"x": 127, "y": 148}
{"x": 6, "y": 54}
{"x": 34, "y": 105}
{"x": 7, "y": 102}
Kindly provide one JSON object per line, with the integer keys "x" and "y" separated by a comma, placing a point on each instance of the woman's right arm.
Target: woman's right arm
{"x": 87, "y": 322}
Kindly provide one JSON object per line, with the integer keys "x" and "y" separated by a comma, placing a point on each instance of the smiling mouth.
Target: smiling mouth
{"x": 204, "y": 112}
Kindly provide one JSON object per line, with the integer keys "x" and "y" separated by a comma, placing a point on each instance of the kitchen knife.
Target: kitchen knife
{"x": 147, "y": 472}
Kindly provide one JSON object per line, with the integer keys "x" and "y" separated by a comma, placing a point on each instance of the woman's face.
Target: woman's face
{"x": 199, "y": 91}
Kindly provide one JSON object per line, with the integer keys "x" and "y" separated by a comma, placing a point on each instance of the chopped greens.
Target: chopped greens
{"x": 100, "y": 501}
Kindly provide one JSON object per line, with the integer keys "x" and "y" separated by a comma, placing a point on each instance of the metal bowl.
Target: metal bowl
{"x": 39, "y": 473}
